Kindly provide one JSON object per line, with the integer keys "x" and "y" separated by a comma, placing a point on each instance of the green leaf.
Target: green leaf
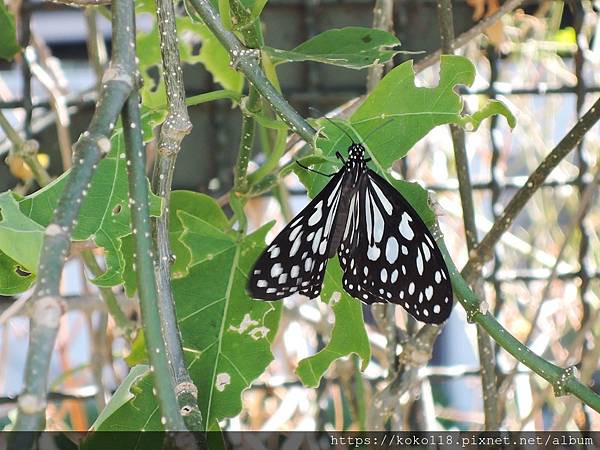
{"x": 348, "y": 335}
{"x": 212, "y": 54}
{"x": 351, "y": 47}
{"x": 209, "y": 215}
{"x": 226, "y": 335}
{"x": 14, "y": 278}
{"x": 20, "y": 237}
{"x": 122, "y": 395}
{"x": 105, "y": 215}
{"x": 8, "y": 36}
{"x": 132, "y": 408}
{"x": 415, "y": 111}
{"x": 216, "y": 60}
{"x": 192, "y": 203}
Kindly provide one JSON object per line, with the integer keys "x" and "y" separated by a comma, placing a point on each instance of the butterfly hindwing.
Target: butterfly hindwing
{"x": 296, "y": 259}
{"x": 388, "y": 254}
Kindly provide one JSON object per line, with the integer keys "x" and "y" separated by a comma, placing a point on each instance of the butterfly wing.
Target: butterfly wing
{"x": 296, "y": 259}
{"x": 388, "y": 254}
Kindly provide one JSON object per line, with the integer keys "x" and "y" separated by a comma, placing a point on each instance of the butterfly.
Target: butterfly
{"x": 385, "y": 250}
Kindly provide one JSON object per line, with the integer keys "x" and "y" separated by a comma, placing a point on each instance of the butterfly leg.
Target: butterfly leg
{"x": 315, "y": 171}
{"x": 339, "y": 156}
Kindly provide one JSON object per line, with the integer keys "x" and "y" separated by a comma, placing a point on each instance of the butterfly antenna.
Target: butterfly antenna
{"x": 387, "y": 122}
{"x": 339, "y": 128}
{"x": 332, "y": 123}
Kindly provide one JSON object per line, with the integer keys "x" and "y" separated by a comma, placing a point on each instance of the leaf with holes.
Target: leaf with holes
{"x": 14, "y": 279}
{"x": 212, "y": 55}
{"x": 198, "y": 205}
{"x": 348, "y": 335}
{"x": 226, "y": 335}
{"x": 20, "y": 237}
{"x": 350, "y": 47}
{"x": 105, "y": 213}
{"x": 415, "y": 111}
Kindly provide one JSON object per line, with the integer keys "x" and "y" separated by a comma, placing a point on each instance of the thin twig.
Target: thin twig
{"x": 562, "y": 380}
{"x": 584, "y": 206}
{"x": 484, "y": 251}
{"x": 174, "y": 129}
{"x": 247, "y": 61}
{"x": 26, "y": 150}
{"x": 82, "y": 3}
{"x": 484, "y": 343}
{"x": 470, "y": 34}
{"x": 124, "y": 326}
{"x": 164, "y": 383}
{"x": 95, "y": 43}
{"x": 415, "y": 354}
{"x": 383, "y": 19}
{"x": 37, "y": 56}
{"x": 47, "y": 304}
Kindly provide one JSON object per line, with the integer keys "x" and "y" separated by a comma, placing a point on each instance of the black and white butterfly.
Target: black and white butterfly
{"x": 385, "y": 250}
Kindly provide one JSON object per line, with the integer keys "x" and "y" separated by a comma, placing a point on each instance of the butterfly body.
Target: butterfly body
{"x": 385, "y": 250}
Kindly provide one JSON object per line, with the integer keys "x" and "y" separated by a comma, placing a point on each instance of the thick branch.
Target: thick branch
{"x": 47, "y": 303}
{"x": 176, "y": 126}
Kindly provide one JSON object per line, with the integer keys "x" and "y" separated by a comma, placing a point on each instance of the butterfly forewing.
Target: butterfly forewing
{"x": 296, "y": 259}
{"x": 388, "y": 254}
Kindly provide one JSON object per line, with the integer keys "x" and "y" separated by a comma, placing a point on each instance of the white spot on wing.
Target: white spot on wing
{"x": 384, "y": 275}
{"x": 307, "y": 264}
{"x": 429, "y": 292}
{"x": 274, "y": 251}
{"x": 334, "y": 192}
{"x": 378, "y": 223}
{"x": 294, "y": 233}
{"x": 405, "y": 229}
{"x": 295, "y": 271}
{"x": 316, "y": 216}
{"x": 373, "y": 253}
{"x": 391, "y": 250}
{"x": 349, "y": 222}
{"x": 276, "y": 270}
{"x": 296, "y": 245}
{"x": 419, "y": 262}
{"x": 317, "y": 240}
{"x": 426, "y": 251}
{"x": 383, "y": 199}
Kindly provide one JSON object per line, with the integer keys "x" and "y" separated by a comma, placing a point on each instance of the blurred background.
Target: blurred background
{"x": 542, "y": 61}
